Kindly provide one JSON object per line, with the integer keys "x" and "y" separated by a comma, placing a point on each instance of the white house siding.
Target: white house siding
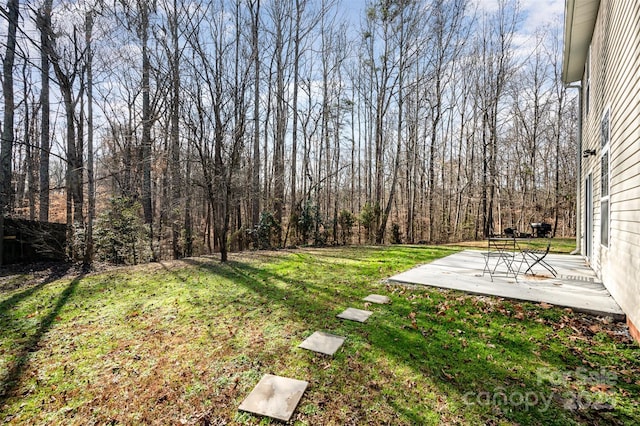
{"x": 615, "y": 84}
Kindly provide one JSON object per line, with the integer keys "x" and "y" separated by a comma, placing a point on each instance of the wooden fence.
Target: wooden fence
{"x": 28, "y": 241}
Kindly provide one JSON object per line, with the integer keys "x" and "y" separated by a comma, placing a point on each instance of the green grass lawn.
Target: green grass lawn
{"x": 185, "y": 342}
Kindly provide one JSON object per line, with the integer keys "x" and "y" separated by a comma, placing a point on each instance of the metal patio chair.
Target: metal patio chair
{"x": 537, "y": 256}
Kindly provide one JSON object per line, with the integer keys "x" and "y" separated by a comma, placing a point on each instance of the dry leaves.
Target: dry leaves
{"x": 414, "y": 322}
{"x": 600, "y": 387}
{"x": 447, "y": 375}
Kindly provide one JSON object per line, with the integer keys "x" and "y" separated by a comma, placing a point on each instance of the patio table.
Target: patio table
{"x": 513, "y": 252}
{"x": 505, "y": 250}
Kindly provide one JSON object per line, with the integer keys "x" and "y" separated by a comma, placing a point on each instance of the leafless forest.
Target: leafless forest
{"x": 169, "y": 128}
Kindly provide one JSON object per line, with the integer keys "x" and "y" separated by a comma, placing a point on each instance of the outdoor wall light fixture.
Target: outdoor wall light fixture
{"x": 587, "y": 152}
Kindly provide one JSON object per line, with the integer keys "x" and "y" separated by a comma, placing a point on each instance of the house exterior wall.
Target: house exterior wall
{"x": 612, "y": 83}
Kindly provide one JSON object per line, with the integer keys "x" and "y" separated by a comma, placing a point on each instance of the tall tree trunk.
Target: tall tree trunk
{"x": 220, "y": 207}
{"x": 323, "y": 143}
{"x": 147, "y": 205}
{"x": 255, "y": 164}
{"x": 176, "y": 180}
{"x": 88, "y": 259}
{"x": 73, "y": 173}
{"x": 280, "y": 117}
{"x": 66, "y": 75}
{"x": 435, "y": 120}
{"x": 44, "y": 27}
{"x": 6, "y": 147}
{"x": 188, "y": 221}
{"x": 396, "y": 164}
{"x": 294, "y": 110}
{"x": 29, "y": 133}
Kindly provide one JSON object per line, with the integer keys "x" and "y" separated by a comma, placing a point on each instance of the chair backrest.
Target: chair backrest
{"x": 510, "y": 232}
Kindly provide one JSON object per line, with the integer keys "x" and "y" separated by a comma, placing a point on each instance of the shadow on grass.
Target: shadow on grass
{"x": 9, "y": 381}
{"x": 55, "y": 274}
{"x": 260, "y": 282}
{"x": 452, "y": 368}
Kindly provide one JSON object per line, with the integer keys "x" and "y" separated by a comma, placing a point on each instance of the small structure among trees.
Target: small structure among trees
{"x": 32, "y": 241}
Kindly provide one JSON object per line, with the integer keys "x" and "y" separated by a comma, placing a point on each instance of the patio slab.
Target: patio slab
{"x": 274, "y": 396}
{"x": 323, "y": 343}
{"x": 354, "y": 314}
{"x": 377, "y": 298}
{"x": 575, "y": 287}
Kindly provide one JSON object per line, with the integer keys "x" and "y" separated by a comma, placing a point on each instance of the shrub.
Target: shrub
{"x": 306, "y": 221}
{"x": 310, "y": 223}
{"x": 262, "y": 233}
{"x": 396, "y": 235}
{"x": 120, "y": 233}
{"x": 346, "y": 219}
{"x": 368, "y": 218}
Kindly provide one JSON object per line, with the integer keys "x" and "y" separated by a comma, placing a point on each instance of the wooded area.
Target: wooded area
{"x": 169, "y": 128}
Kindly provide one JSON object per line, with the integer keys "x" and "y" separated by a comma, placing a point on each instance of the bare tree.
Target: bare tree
{"x": 43, "y": 23}
{"x": 6, "y": 147}
{"x": 380, "y": 62}
{"x": 255, "y": 160}
{"x": 213, "y": 113}
{"x": 91, "y": 190}
{"x": 497, "y": 67}
{"x": 143, "y": 33}
{"x": 447, "y": 41}
{"x": 67, "y": 57}
{"x": 173, "y": 52}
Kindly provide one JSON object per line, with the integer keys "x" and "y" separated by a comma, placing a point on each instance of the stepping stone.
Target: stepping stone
{"x": 274, "y": 396}
{"x": 323, "y": 343}
{"x": 376, "y": 298}
{"x": 354, "y": 314}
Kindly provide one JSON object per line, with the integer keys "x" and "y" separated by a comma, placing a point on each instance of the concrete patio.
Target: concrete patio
{"x": 575, "y": 287}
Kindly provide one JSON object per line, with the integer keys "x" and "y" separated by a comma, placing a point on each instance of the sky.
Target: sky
{"x": 534, "y": 14}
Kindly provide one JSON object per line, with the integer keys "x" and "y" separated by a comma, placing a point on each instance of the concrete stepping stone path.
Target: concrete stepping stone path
{"x": 354, "y": 314}
{"x": 274, "y": 396}
{"x": 323, "y": 343}
{"x": 278, "y": 397}
{"x": 376, "y": 298}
